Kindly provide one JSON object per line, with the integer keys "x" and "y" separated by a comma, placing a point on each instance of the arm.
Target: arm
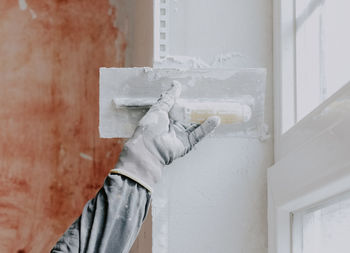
{"x": 110, "y": 222}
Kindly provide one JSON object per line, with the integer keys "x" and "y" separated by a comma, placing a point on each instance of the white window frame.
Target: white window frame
{"x": 285, "y": 86}
{"x": 318, "y": 169}
{"x": 284, "y": 51}
{"x": 308, "y": 175}
{"x": 297, "y": 219}
{"x": 312, "y": 159}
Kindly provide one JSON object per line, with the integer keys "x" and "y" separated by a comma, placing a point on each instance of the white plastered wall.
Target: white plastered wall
{"x": 216, "y": 196}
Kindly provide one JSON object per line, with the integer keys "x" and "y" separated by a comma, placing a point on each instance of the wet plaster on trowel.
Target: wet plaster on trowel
{"x": 127, "y": 93}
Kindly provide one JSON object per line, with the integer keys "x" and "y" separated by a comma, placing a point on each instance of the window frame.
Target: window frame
{"x": 311, "y": 162}
{"x": 319, "y": 169}
{"x": 284, "y": 64}
{"x": 297, "y": 216}
{"x": 286, "y": 124}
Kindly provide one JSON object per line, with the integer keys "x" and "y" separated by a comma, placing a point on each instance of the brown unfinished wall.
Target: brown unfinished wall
{"x": 51, "y": 157}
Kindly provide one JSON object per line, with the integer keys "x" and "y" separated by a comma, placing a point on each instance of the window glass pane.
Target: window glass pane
{"x": 327, "y": 229}
{"x": 336, "y": 44}
{"x": 322, "y": 51}
{"x": 308, "y": 59}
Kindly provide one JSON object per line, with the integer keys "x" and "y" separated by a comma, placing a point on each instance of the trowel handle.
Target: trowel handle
{"x": 196, "y": 111}
{"x": 137, "y": 103}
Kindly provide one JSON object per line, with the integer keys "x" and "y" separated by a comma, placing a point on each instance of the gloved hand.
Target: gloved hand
{"x": 158, "y": 140}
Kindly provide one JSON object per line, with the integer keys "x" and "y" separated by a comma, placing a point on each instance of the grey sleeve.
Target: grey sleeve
{"x": 109, "y": 222}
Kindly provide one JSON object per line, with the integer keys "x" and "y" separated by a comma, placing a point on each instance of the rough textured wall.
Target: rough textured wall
{"x": 51, "y": 158}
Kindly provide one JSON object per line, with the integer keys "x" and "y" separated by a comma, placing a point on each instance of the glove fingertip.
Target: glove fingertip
{"x": 168, "y": 98}
{"x": 206, "y": 128}
{"x": 211, "y": 124}
{"x": 176, "y": 87}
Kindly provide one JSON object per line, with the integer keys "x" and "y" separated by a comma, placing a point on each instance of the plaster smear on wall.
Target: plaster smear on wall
{"x": 181, "y": 62}
{"x": 228, "y": 60}
{"x": 22, "y": 4}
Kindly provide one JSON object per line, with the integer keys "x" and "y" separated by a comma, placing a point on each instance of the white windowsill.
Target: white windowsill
{"x": 314, "y": 165}
{"x": 325, "y": 117}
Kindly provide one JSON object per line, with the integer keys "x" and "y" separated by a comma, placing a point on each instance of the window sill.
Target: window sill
{"x": 325, "y": 118}
{"x": 315, "y": 166}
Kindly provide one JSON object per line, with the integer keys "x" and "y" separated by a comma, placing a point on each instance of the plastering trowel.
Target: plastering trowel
{"x": 235, "y": 95}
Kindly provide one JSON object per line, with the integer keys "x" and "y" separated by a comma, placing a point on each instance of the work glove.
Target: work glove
{"x": 158, "y": 140}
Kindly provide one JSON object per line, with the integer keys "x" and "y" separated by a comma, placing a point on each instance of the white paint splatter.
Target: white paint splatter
{"x": 85, "y": 156}
{"x": 22, "y": 4}
{"x": 34, "y": 16}
{"x": 110, "y": 11}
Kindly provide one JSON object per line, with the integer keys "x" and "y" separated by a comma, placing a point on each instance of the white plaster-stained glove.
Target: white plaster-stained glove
{"x": 158, "y": 140}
